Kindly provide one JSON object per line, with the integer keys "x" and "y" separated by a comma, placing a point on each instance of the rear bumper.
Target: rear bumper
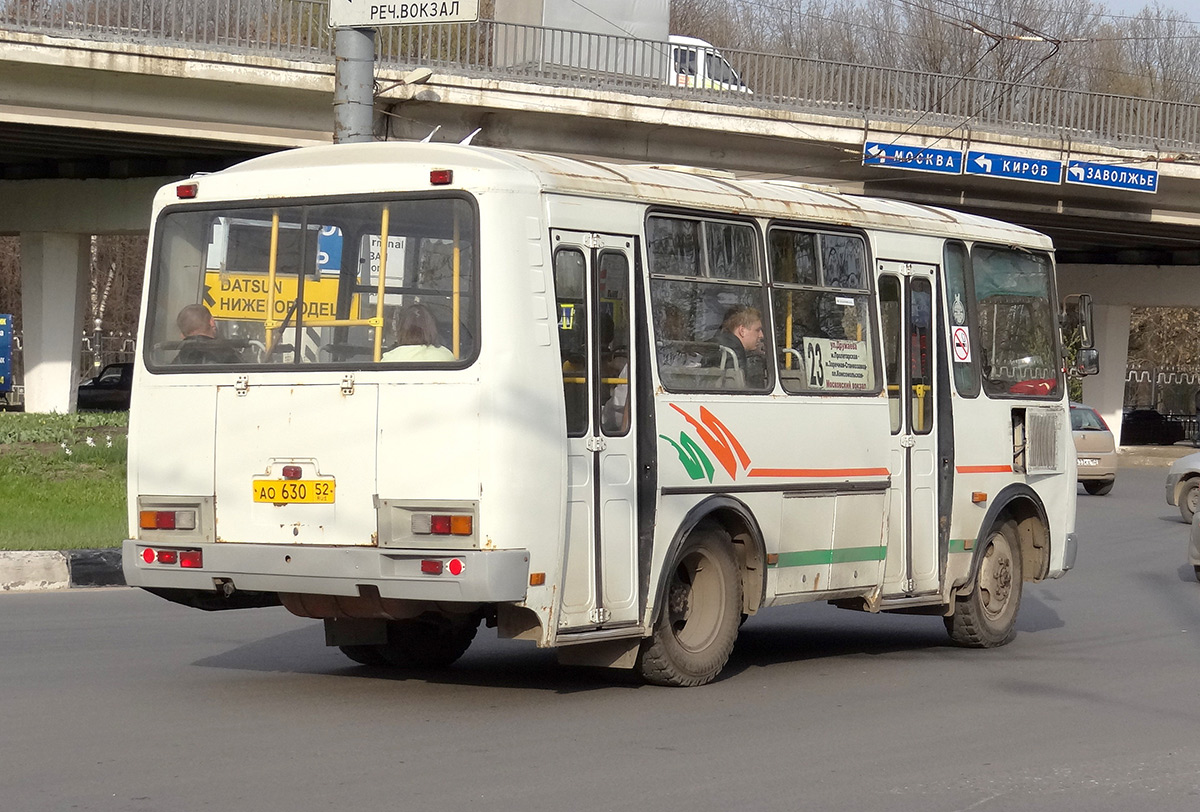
{"x": 487, "y": 576}
{"x": 1103, "y": 469}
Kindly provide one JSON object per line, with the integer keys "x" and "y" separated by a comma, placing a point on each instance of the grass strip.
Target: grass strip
{"x": 62, "y": 481}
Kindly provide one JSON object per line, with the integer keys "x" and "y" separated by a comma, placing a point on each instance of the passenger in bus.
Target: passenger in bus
{"x": 741, "y": 336}
{"x": 417, "y": 334}
{"x": 614, "y": 361}
{"x": 200, "y": 344}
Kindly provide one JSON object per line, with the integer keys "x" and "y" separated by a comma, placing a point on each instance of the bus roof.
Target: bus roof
{"x": 362, "y": 168}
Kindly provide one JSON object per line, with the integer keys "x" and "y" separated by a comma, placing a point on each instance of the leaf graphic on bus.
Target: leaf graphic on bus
{"x": 695, "y": 462}
{"x": 720, "y": 440}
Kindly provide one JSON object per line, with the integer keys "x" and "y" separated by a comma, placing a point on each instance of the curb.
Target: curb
{"x": 30, "y": 571}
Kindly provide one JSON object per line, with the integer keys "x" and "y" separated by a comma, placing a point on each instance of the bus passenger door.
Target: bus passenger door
{"x": 907, "y": 307}
{"x": 592, "y": 278}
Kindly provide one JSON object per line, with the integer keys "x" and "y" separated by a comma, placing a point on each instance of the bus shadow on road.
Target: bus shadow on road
{"x": 489, "y": 663}
{"x": 798, "y": 634}
{"x": 778, "y": 636}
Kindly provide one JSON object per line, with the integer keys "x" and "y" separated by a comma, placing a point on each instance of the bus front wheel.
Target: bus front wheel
{"x": 987, "y": 616}
{"x": 698, "y": 621}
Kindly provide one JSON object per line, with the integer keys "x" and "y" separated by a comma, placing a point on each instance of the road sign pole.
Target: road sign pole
{"x": 353, "y": 85}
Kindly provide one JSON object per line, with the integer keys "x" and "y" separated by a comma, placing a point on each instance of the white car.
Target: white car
{"x": 1183, "y": 485}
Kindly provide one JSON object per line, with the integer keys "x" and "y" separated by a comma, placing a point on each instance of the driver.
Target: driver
{"x": 200, "y": 344}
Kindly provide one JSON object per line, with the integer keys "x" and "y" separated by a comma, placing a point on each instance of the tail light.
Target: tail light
{"x": 188, "y": 559}
{"x": 442, "y": 524}
{"x": 167, "y": 520}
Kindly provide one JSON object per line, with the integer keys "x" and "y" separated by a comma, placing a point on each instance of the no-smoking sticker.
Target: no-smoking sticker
{"x": 960, "y": 341}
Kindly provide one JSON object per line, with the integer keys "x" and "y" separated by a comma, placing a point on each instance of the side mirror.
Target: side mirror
{"x": 1087, "y": 361}
{"x": 1077, "y": 317}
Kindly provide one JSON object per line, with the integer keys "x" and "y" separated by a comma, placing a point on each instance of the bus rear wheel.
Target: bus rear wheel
{"x": 426, "y": 642}
{"x": 987, "y": 616}
{"x": 701, "y": 612}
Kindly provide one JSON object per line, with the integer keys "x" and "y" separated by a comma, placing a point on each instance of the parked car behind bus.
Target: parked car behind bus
{"x": 1095, "y": 450}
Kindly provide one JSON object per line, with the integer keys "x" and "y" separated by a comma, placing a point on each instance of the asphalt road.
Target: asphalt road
{"x": 111, "y": 699}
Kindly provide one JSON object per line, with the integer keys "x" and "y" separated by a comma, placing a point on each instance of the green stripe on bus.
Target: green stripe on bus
{"x": 808, "y": 558}
{"x": 958, "y": 546}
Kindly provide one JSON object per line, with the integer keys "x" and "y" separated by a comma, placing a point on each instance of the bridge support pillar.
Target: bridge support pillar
{"x": 54, "y": 278}
{"x": 1106, "y": 392}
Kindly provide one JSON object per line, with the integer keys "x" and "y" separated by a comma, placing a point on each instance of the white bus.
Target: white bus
{"x": 610, "y": 409}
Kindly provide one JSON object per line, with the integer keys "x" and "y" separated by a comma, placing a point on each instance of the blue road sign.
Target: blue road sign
{"x": 1129, "y": 178}
{"x": 919, "y": 159}
{"x": 1012, "y": 167}
{"x": 5, "y": 353}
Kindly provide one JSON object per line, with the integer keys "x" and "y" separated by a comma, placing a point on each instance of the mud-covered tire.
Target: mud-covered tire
{"x": 1096, "y": 488}
{"x": 987, "y": 616}
{"x": 1189, "y": 499}
{"x": 364, "y": 655}
{"x": 700, "y": 613}
{"x": 427, "y": 642}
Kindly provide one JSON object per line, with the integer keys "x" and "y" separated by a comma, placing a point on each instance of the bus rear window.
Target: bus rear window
{"x": 302, "y": 284}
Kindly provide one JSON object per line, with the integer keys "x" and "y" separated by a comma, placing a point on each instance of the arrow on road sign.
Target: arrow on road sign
{"x": 984, "y": 162}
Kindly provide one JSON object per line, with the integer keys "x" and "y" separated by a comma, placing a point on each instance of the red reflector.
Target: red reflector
{"x": 186, "y": 191}
{"x": 168, "y": 556}
{"x": 456, "y": 566}
{"x": 190, "y": 559}
{"x": 431, "y": 567}
{"x": 439, "y": 525}
{"x": 148, "y": 555}
{"x": 291, "y": 472}
{"x": 440, "y": 177}
{"x": 164, "y": 520}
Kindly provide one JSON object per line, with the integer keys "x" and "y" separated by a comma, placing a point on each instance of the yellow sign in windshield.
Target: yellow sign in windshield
{"x": 244, "y": 297}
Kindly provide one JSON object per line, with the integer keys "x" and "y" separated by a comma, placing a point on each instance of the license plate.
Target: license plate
{"x": 1088, "y": 461}
{"x": 294, "y": 491}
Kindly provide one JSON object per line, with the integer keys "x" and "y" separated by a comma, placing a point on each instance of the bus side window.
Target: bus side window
{"x": 570, "y": 290}
{"x": 822, "y": 312}
{"x": 961, "y": 302}
{"x": 709, "y": 305}
{"x": 892, "y": 317}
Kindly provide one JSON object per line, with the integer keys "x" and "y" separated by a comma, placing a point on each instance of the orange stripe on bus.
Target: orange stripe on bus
{"x": 817, "y": 472}
{"x": 983, "y": 469}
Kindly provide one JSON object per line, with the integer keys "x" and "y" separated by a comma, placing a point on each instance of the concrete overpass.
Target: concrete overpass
{"x": 90, "y": 126}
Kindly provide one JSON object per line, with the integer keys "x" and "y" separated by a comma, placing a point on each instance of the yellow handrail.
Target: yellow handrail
{"x": 269, "y": 322}
{"x": 383, "y": 246}
{"x": 455, "y": 296}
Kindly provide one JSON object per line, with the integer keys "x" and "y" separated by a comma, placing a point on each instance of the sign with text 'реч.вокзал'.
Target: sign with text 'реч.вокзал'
{"x": 361, "y": 14}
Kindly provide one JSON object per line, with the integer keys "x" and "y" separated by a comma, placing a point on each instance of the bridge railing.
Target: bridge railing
{"x": 955, "y": 105}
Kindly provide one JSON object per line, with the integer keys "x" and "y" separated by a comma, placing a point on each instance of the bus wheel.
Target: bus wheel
{"x": 699, "y": 619}
{"x": 987, "y": 616}
{"x": 427, "y": 642}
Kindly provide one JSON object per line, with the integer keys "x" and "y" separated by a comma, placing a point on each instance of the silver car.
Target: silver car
{"x": 1183, "y": 485}
{"x": 1095, "y": 451}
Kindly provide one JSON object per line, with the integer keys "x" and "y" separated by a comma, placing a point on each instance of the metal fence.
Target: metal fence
{"x": 298, "y": 29}
{"x": 95, "y": 352}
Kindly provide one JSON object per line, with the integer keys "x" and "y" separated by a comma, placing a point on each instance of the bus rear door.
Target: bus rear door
{"x": 593, "y": 274}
